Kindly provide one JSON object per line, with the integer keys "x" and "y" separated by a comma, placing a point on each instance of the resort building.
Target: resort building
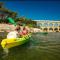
{"x": 48, "y": 25}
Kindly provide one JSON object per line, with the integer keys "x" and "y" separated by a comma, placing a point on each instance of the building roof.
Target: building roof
{"x": 47, "y": 20}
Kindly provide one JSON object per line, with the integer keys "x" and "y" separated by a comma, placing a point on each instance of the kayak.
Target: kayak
{"x": 9, "y": 43}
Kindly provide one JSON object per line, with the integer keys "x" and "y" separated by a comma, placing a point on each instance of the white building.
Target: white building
{"x": 48, "y": 25}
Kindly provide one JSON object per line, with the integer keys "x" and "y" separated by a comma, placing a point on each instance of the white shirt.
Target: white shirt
{"x": 13, "y": 34}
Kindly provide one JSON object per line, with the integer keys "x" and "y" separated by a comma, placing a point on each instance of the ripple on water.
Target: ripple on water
{"x": 40, "y": 47}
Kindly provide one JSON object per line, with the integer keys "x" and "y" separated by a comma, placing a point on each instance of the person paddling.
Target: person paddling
{"x": 15, "y": 33}
{"x": 24, "y": 31}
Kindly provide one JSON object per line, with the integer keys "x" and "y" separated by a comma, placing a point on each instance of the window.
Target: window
{"x": 51, "y": 24}
{"x": 45, "y": 24}
{"x": 56, "y": 25}
{"x": 59, "y": 29}
{"x": 50, "y": 28}
{"x": 45, "y": 29}
{"x": 39, "y": 24}
{"x": 56, "y": 29}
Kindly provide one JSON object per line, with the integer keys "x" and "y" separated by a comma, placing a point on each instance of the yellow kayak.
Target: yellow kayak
{"x": 9, "y": 43}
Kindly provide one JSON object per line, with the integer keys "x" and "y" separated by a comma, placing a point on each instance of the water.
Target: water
{"x": 40, "y": 47}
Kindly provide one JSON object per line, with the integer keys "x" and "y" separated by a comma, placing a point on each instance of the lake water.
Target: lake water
{"x": 40, "y": 47}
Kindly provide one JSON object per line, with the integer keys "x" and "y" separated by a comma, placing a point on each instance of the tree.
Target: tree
{"x": 26, "y": 21}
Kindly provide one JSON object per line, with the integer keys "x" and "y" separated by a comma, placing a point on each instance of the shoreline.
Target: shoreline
{"x": 10, "y": 27}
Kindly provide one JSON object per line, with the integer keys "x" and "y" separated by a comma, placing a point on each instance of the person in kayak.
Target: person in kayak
{"x": 24, "y": 31}
{"x": 15, "y": 33}
{"x": 12, "y": 34}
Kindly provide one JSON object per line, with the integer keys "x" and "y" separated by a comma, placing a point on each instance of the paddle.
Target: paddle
{"x": 11, "y": 21}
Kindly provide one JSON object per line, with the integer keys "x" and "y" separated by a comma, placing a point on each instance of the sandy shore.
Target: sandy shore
{"x": 9, "y": 27}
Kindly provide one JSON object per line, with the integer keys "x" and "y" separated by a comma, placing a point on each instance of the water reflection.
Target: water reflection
{"x": 40, "y": 47}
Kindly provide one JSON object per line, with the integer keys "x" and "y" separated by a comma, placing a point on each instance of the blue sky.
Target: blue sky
{"x": 36, "y": 10}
